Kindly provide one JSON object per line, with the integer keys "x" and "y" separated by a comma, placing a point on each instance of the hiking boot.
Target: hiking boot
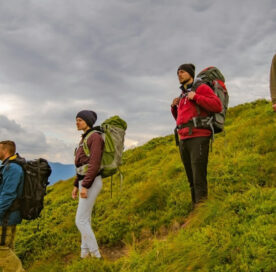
{"x": 96, "y": 254}
{"x": 86, "y": 254}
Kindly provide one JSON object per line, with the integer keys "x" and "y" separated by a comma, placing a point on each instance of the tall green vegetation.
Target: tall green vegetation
{"x": 232, "y": 231}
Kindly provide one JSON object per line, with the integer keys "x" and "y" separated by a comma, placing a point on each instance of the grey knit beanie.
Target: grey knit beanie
{"x": 90, "y": 117}
{"x": 188, "y": 67}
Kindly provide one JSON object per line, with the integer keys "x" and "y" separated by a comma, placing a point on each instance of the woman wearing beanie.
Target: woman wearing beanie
{"x": 88, "y": 182}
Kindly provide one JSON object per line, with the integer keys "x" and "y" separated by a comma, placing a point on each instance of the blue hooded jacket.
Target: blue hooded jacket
{"x": 11, "y": 187}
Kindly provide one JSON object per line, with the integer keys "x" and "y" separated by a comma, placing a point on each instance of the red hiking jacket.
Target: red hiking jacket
{"x": 206, "y": 99}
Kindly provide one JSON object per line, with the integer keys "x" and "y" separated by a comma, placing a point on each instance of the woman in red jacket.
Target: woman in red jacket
{"x": 88, "y": 181}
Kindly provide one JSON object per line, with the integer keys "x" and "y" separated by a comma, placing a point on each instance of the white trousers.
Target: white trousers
{"x": 83, "y": 219}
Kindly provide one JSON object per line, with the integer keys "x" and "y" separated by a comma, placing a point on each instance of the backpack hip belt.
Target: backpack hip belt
{"x": 81, "y": 170}
{"x": 195, "y": 122}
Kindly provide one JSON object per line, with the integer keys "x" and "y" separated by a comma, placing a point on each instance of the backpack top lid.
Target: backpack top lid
{"x": 115, "y": 121}
{"x": 210, "y": 76}
{"x": 211, "y": 73}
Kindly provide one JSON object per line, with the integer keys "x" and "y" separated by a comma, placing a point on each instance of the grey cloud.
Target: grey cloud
{"x": 202, "y": 6}
{"x": 27, "y": 140}
{"x": 62, "y": 56}
{"x": 32, "y": 143}
{"x": 9, "y": 125}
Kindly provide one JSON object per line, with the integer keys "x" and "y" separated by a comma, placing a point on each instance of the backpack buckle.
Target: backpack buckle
{"x": 195, "y": 122}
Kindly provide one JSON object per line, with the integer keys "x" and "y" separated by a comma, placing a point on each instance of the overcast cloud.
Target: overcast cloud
{"x": 120, "y": 57}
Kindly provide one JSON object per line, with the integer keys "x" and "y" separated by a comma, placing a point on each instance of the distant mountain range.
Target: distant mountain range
{"x": 61, "y": 171}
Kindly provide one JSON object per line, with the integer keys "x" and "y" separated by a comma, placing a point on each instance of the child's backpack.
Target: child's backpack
{"x": 215, "y": 79}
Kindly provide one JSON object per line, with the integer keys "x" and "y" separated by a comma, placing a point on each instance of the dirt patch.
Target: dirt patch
{"x": 113, "y": 253}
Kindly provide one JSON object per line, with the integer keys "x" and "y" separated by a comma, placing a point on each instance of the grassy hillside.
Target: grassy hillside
{"x": 232, "y": 231}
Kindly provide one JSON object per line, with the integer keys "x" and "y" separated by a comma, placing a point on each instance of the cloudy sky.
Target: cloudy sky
{"x": 120, "y": 57}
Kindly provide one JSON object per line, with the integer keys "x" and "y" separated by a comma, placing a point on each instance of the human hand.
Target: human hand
{"x": 75, "y": 193}
{"x": 274, "y": 107}
{"x": 191, "y": 95}
{"x": 175, "y": 102}
{"x": 83, "y": 193}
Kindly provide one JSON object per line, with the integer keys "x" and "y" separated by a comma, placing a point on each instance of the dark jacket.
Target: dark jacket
{"x": 11, "y": 187}
{"x": 186, "y": 110}
{"x": 95, "y": 144}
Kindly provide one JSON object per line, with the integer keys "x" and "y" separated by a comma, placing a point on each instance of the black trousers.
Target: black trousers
{"x": 194, "y": 155}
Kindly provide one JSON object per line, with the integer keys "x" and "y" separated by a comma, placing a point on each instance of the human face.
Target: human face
{"x": 81, "y": 124}
{"x": 3, "y": 152}
{"x": 184, "y": 77}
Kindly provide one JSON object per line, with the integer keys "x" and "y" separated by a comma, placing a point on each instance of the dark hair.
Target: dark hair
{"x": 10, "y": 146}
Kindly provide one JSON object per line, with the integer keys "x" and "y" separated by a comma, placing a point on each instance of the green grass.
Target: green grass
{"x": 232, "y": 231}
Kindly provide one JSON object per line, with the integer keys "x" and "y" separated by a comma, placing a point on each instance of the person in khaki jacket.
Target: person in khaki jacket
{"x": 273, "y": 82}
{"x": 11, "y": 187}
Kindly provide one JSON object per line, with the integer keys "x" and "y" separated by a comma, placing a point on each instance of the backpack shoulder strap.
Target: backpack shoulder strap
{"x": 13, "y": 159}
{"x": 194, "y": 88}
{"x": 17, "y": 159}
{"x": 84, "y": 143}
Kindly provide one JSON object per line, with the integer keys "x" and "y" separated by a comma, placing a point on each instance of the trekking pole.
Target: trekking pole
{"x": 121, "y": 181}
{"x": 213, "y": 132}
{"x": 111, "y": 183}
{"x": 176, "y": 137}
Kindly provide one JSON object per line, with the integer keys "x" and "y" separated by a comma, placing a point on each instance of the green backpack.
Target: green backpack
{"x": 113, "y": 133}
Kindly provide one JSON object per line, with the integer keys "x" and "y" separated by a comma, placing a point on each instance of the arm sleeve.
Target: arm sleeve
{"x": 95, "y": 145}
{"x": 12, "y": 176}
{"x": 76, "y": 181}
{"x": 174, "y": 112}
{"x": 273, "y": 80}
{"x": 206, "y": 98}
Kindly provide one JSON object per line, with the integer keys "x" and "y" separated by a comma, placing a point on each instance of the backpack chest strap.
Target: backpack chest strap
{"x": 84, "y": 142}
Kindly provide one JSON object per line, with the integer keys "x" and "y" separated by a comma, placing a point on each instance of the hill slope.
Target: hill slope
{"x": 232, "y": 231}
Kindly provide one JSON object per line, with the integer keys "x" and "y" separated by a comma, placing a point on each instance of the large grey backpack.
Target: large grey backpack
{"x": 215, "y": 79}
{"x": 113, "y": 133}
